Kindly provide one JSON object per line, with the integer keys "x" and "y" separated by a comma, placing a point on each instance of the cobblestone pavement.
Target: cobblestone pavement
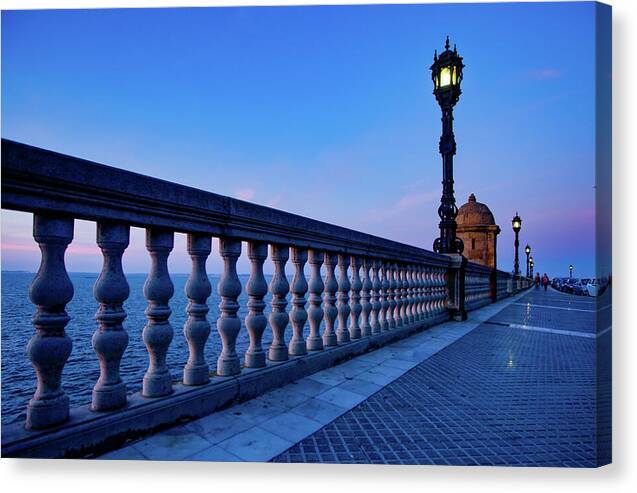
{"x": 514, "y": 391}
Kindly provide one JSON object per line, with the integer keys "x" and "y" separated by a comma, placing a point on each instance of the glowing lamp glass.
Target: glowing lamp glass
{"x": 445, "y": 76}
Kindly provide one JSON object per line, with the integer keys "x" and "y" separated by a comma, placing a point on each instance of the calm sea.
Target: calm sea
{"x": 82, "y": 369}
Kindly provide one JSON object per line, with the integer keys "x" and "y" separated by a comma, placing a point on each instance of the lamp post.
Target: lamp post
{"x": 570, "y": 270}
{"x": 446, "y": 74}
{"x": 531, "y": 266}
{"x": 527, "y": 250}
{"x": 517, "y": 225}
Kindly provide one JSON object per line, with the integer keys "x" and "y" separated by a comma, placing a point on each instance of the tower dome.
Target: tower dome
{"x": 478, "y": 231}
{"x": 475, "y": 213}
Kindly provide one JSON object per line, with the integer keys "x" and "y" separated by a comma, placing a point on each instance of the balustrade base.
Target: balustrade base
{"x": 255, "y": 359}
{"x": 157, "y": 384}
{"x": 314, "y": 344}
{"x": 330, "y": 340}
{"x": 297, "y": 348}
{"x": 278, "y": 353}
{"x": 88, "y": 433}
{"x": 196, "y": 375}
{"x": 228, "y": 366}
{"x": 109, "y": 397}
{"x": 44, "y": 413}
{"x": 342, "y": 336}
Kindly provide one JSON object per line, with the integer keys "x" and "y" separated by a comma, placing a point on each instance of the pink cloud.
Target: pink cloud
{"x": 20, "y": 247}
{"x": 33, "y": 247}
{"x": 83, "y": 250}
{"x": 245, "y": 193}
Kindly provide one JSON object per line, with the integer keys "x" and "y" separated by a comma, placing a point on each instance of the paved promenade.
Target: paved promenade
{"x": 518, "y": 390}
{"x": 514, "y": 384}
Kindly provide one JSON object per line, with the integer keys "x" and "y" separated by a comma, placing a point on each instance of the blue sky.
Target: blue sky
{"x": 321, "y": 111}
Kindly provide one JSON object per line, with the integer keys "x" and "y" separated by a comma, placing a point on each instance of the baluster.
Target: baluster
{"x": 342, "y": 334}
{"x": 435, "y": 292}
{"x": 366, "y": 306}
{"x": 428, "y": 313}
{"x": 415, "y": 281}
{"x": 50, "y": 347}
{"x": 329, "y": 306}
{"x": 228, "y": 324}
{"x": 197, "y": 328}
{"x": 158, "y": 333}
{"x": 279, "y": 318}
{"x": 315, "y": 312}
{"x": 397, "y": 283}
{"x": 255, "y": 321}
{"x": 427, "y": 293}
{"x": 110, "y": 339}
{"x": 355, "y": 297}
{"x": 409, "y": 311}
{"x": 298, "y": 316}
{"x": 439, "y": 297}
{"x": 376, "y": 304}
{"x": 444, "y": 289}
{"x": 421, "y": 292}
{"x": 391, "y": 303}
{"x": 385, "y": 300}
{"x": 398, "y": 296}
{"x": 404, "y": 295}
{"x": 417, "y": 273}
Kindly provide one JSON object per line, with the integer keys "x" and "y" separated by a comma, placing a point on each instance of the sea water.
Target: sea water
{"x": 82, "y": 369}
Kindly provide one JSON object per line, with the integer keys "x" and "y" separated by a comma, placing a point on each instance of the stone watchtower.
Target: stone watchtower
{"x": 479, "y": 232}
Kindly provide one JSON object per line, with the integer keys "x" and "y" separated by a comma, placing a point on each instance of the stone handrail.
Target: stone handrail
{"x": 35, "y": 179}
{"x": 374, "y": 291}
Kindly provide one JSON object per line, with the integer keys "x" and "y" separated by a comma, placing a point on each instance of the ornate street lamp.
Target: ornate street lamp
{"x": 531, "y": 266}
{"x": 570, "y": 270}
{"x": 517, "y": 225}
{"x": 527, "y": 250}
{"x": 446, "y": 74}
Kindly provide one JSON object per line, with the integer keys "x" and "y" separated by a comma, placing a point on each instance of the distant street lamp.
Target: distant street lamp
{"x": 446, "y": 74}
{"x": 517, "y": 225}
{"x": 570, "y": 270}
{"x": 527, "y": 250}
{"x": 531, "y": 266}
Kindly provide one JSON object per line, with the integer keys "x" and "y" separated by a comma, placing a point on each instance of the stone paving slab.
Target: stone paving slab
{"x": 264, "y": 427}
{"x": 497, "y": 396}
{"x": 551, "y": 318}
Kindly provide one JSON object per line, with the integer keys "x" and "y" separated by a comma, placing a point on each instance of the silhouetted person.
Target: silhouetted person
{"x": 537, "y": 280}
{"x": 545, "y": 281}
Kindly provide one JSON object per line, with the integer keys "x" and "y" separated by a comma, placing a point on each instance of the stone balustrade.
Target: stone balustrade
{"x": 363, "y": 291}
{"x": 503, "y": 285}
{"x": 477, "y": 284}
